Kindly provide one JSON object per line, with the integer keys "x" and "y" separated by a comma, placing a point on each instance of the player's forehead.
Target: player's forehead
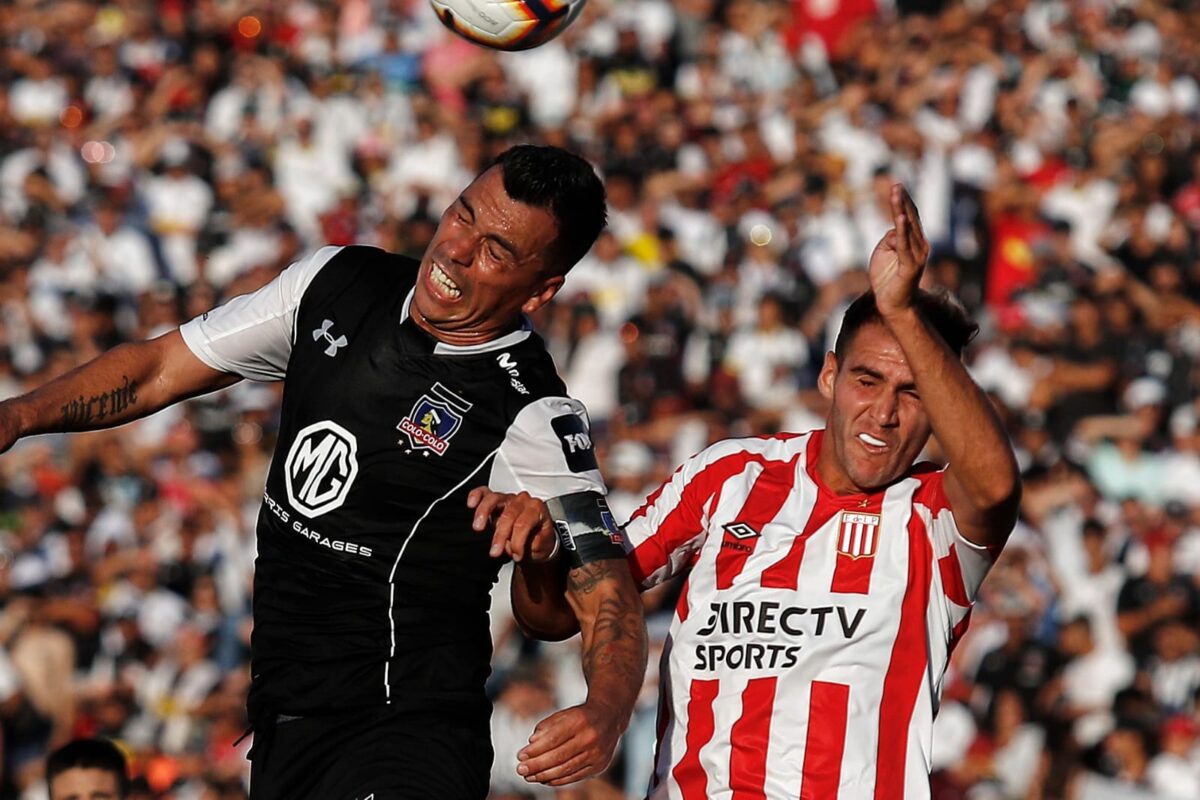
{"x": 530, "y": 226}
{"x": 874, "y": 350}
{"x": 82, "y": 783}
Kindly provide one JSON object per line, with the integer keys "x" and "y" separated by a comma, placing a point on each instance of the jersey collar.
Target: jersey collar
{"x": 503, "y": 342}
{"x": 854, "y": 500}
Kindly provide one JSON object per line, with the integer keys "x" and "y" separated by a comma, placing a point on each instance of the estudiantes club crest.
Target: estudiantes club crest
{"x": 434, "y": 419}
{"x": 858, "y": 535}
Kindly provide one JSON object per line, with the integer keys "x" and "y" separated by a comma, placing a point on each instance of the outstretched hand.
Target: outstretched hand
{"x": 898, "y": 261}
{"x": 522, "y": 525}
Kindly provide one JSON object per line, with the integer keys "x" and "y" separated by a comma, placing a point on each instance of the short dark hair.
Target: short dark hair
{"x": 940, "y": 309}
{"x": 98, "y": 754}
{"x": 552, "y": 178}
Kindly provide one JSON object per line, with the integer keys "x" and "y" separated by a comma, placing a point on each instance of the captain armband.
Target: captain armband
{"x": 586, "y": 529}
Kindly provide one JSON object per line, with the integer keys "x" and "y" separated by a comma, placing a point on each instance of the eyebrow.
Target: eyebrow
{"x": 879, "y": 376}
{"x": 495, "y": 237}
{"x": 859, "y": 370}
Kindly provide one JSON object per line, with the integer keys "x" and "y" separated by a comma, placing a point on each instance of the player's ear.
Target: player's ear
{"x": 543, "y": 293}
{"x": 827, "y": 376}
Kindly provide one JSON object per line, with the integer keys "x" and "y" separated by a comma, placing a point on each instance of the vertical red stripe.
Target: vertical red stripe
{"x": 766, "y": 497}
{"x": 852, "y": 575}
{"x": 689, "y": 773}
{"x": 785, "y": 573}
{"x": 906, "y": 669}
{"x": 748, "y": 740}
{"x": 952, "y": 581}
{"x": 826, "y": 742}
{"x": 932, "y": 491}
{"x": 681, "y": 607}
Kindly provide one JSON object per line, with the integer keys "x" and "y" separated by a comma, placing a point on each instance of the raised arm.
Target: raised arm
{"x": 983, "y": 483}
{"x": 126, "y": 383}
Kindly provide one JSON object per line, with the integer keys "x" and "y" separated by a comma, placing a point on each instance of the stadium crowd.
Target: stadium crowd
{"x": 157, "y": 157}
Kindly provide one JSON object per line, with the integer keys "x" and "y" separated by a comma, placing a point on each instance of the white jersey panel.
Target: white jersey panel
{"x": 548, "y": 452}
{"x": 252, "y": 335}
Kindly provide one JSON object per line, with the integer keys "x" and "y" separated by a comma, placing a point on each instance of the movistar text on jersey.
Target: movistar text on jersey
{"x": 286, "y": 515}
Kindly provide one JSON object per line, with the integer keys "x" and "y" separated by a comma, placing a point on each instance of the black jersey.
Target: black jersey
{"x": 371, "y": 587}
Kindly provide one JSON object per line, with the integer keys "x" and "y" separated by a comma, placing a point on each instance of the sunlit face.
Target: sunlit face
{"x": 489, "y": 260}
{"x": 85, "y": 783}
{"x": 877, "y": 426}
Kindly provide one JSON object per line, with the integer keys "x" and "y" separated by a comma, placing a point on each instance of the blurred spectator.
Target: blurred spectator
{"x": 87, "y": 768}
{"x": 159, "y": 158}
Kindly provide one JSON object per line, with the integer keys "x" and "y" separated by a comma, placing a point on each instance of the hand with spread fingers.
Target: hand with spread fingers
{"x": 898, "y": 261}
{"x": 522, "y": 525}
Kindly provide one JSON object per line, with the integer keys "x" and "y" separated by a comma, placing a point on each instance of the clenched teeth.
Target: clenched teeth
{"x": 871, "y": 440}
{"x": 443, "y": 280}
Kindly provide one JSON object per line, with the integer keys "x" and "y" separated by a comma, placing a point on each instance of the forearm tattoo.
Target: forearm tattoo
{"x": 83, "y": 411}
{"x": 616, "y": 647}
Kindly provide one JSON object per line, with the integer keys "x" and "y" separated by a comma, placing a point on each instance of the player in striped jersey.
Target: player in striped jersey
{"x": 828, "y": 574}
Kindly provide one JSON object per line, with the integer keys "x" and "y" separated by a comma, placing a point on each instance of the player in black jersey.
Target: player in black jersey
{"x": 407, "y": 386}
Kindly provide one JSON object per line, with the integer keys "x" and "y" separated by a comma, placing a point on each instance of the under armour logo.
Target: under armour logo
{"x": 334, "y": 344}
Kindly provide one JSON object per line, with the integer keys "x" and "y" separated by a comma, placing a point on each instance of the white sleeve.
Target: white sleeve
{"x": 962, "y": 564}
{"x": 548, "y": 452}
{"x": 252, "y": 334}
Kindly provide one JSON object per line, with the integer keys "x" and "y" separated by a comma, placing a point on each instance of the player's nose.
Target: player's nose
{"x": 885, "y": 409}
{"x": 459, "y": 247}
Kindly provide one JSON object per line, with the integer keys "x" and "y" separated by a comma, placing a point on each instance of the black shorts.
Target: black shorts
{"x": 371, "y": 756}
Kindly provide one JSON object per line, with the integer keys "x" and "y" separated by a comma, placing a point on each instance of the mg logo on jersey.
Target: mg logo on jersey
{"x": 858, "y": 534}
{"x": 335, "y": 344}
{"x": 434, "y": 420}
{"x": 320, "y": 467}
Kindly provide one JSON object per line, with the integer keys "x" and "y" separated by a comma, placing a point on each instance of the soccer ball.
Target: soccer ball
{"x": 507, "y": 24}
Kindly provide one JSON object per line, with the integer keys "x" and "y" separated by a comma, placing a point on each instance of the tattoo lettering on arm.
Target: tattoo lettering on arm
{"x": 83, "y": 411}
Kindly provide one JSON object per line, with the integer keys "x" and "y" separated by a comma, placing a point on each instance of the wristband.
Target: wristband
{"x": 553, "y": 553}
{"x": 585, "y": 528}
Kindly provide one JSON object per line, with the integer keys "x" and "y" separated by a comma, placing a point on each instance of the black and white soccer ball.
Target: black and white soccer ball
{"x": 508, "y": 24}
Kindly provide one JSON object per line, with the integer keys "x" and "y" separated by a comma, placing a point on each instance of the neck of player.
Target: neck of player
{"x": 832, "y": 473}
{"x": 464, "y": 337}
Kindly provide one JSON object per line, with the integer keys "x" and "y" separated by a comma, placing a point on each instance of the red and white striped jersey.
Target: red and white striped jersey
{"x": 807, "y": 652}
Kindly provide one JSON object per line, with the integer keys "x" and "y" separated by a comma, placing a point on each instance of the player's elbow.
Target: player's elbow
{"x": 996, "y": 488}
{"x": 1004, "y": 494}
{"x": 546, "y": 627}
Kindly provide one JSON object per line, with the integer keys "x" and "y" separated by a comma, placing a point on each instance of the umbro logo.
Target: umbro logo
{"x": 740, "y": 530}
{"x": 334, "y": 344}
{"x": 740, "y": 533}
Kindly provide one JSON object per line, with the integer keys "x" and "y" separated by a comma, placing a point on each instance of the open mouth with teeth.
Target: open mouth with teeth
{"x": 871, "y": 442}
{"x": 443, "y": 281}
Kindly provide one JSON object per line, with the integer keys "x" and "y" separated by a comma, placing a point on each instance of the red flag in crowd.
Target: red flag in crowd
{"x": 828, "y": 20}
